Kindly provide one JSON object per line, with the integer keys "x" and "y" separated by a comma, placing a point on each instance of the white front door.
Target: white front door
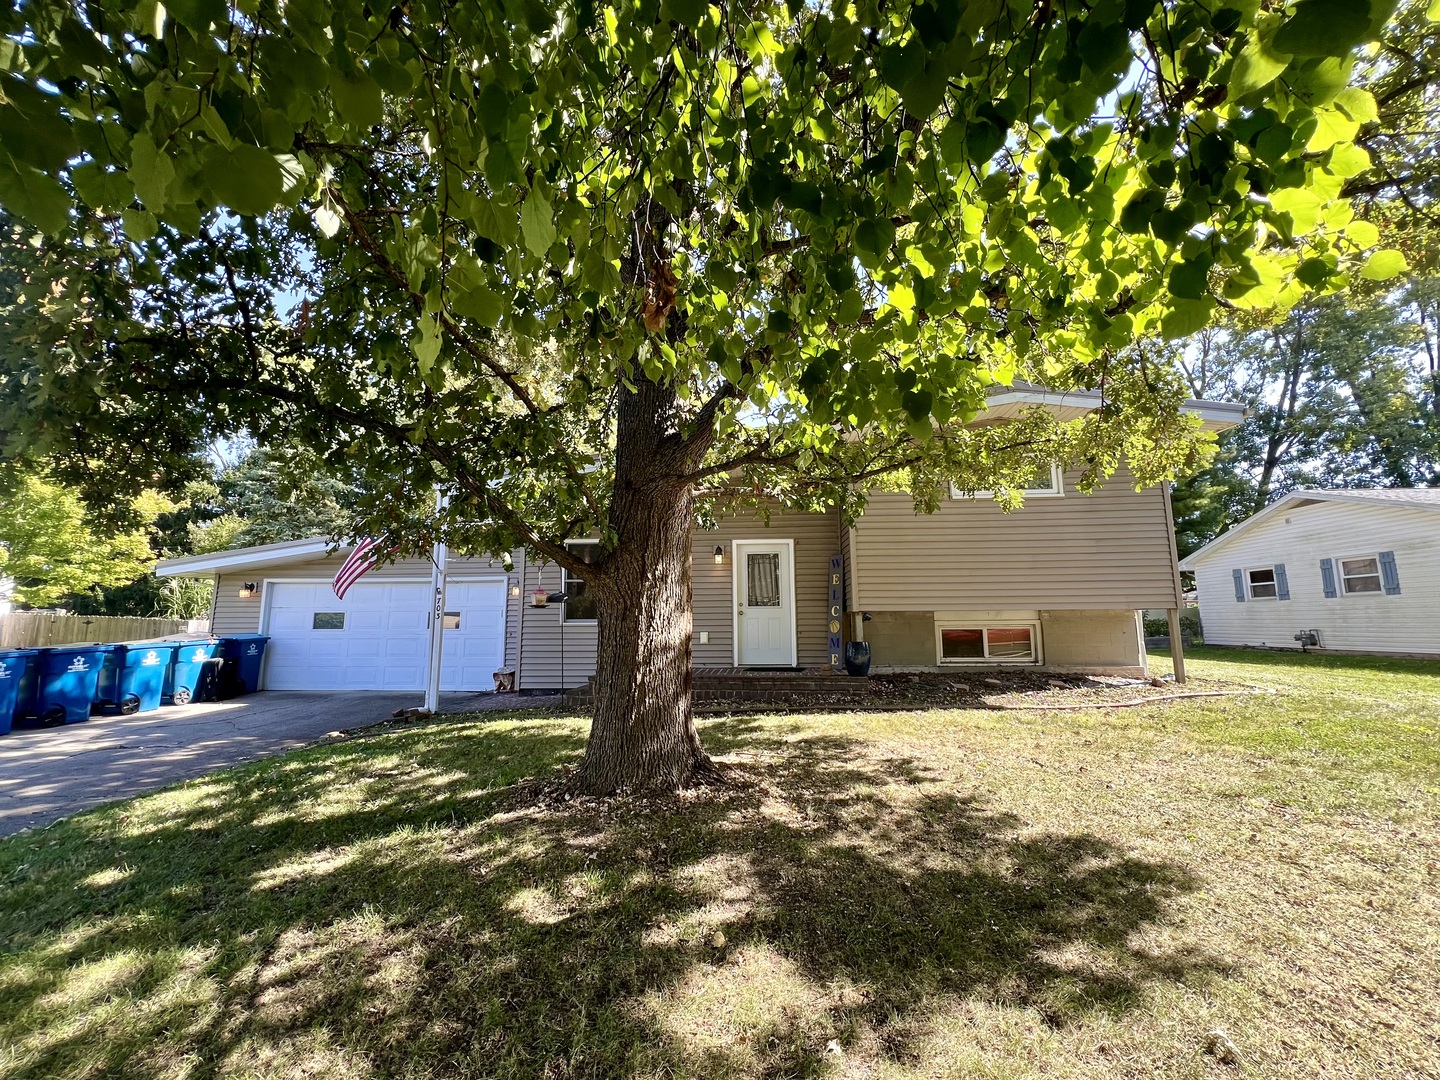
{"x": 764, "y": 603}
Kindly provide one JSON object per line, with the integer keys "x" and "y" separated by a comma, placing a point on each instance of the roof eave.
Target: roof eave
{"x": 251, "y": 558}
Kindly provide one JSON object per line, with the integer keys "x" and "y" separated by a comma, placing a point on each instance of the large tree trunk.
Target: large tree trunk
{"x": 643, "y": 735}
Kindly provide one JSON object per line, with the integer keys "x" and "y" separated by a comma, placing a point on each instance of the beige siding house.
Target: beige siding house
{"x": 1057, "y": 584}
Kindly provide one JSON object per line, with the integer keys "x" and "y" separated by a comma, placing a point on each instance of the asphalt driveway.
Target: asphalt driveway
{"x": 50, "y": 773}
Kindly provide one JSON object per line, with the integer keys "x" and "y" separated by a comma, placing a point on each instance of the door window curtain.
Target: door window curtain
{"x": 762, "y": 575}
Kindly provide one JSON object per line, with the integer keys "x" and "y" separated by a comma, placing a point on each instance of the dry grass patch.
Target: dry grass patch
{"x": 927, "y": 894}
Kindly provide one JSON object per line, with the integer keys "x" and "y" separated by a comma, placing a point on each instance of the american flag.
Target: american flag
{"x": 360, "y": 561}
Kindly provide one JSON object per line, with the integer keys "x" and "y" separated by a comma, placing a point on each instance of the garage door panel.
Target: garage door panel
{"x": 385, "y": 638}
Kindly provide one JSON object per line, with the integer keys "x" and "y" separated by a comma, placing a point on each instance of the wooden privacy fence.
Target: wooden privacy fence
{"x": 37, "y": 629}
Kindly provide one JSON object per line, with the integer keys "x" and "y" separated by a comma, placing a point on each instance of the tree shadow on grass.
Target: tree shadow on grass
{"x": 387, "y": 907}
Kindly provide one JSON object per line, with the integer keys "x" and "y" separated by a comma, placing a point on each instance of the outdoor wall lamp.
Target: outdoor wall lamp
{"x": 248, "y": 590}
{"x": 719, "y": 554}
{"x": 515, "y": 590}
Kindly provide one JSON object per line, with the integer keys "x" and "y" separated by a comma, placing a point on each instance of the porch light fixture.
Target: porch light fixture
{"x": 515, "y": 590}
{"x": 248, "y": 590}
{"x": 719, "y": 554}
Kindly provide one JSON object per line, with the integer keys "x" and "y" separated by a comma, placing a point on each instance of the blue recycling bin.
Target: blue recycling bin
{"x": 184, "y": 673}
{"x": 133, "y": 677}
{"x": 14, "y": 663}
{"x": 243, "y": 654}
{"x": 66, "y": 678}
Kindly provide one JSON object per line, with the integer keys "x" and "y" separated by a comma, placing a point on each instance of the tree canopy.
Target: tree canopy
{"x": 53, "y": 549}
{"x": 584, "y": 263}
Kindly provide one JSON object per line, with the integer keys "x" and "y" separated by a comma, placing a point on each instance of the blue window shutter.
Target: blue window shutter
{"x": 1239, "y": 586}
{"x": 1389, "y": 573}
{"x": 1327, "y": 578}
{"x": 1282, "y": 583}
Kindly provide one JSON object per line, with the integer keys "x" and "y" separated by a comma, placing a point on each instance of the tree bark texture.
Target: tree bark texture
{"x": 643, "y": 735}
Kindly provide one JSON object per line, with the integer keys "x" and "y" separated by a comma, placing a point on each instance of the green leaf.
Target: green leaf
{"x": 1135, "y": 218}
{"x": 922, "y": 95}
{"x": 1324, "y": 28}
{"x": 480, "y": 303}
{"x": 685, "y": 12}
{"x": 1257, "y": 66}
{"x": 139, "y": 225}
{"x": 1433, "y": 11}
{"x": 1104, "y": 47}
{"x": 426, "y": 343}
{"x": 38, "y": 198}
{"x": 358, "y": 100}
{"x": 151, "y": 172}
{"x": 917, "y": 403}
{"x": 850, "y": 308}
{"x": 1186, "y": 317}
{"x": 1384, "y": 264}
{"x": 1172, "y": 224}
{"x": 198, "y": 15}
{"x": 873, "y": 238}
{"x": 1347, "y": 160}
{"x": 102, "y": 189}
{"x": 537, "y": 222}
{"x": 246, "y": 179}
{"x": 1189, "y": 280}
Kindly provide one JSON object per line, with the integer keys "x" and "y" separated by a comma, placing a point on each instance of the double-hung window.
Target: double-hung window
{"x": 579, "y": 603}
{"x": 1262, "y": 584}
{"x": 1047, "y": 481}
{"x": 1360, "y": 575}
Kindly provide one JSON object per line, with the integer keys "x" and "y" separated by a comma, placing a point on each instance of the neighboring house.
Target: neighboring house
{"x": 1358, "y": 569}
{"x": 1059, "y": 583}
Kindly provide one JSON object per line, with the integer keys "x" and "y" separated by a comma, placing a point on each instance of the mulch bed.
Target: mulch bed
{"x": 987, "y": 690}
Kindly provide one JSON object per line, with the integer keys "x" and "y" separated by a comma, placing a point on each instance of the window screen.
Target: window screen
{"x": 1262, "y": 583}
{"x": 1361, "y": 575}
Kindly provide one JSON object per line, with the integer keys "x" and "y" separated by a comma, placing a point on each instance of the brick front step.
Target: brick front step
{"x": 733, "y": 685}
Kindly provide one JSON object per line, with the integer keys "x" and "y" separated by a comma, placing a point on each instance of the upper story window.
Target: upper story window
{"x": 1262, "y": 583}
{"x": 1360, "y": 575}
{"x": 580, "y": 605}
{"x": 1047, "y": 482}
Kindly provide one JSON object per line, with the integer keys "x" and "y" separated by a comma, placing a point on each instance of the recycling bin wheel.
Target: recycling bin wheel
{"x": 130, "y": 705}
{"x": 54, "y": 715}
{"x": 181, "y": 695}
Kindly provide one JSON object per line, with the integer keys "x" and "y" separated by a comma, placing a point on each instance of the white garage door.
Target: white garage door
{"x": 377, "y": 637}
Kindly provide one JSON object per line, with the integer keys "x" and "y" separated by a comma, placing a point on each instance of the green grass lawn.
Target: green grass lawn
{"x": 931, "y": 894}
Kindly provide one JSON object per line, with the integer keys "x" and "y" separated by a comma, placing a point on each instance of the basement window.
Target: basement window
{"x": 987, "y": 644}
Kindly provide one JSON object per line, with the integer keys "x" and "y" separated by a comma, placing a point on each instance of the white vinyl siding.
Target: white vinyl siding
{"x": 1304, "y": 536}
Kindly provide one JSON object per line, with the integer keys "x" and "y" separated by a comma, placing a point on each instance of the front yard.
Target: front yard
{"x": 961, "y": 893}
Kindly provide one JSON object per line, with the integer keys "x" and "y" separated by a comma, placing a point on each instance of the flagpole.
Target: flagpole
{"x": 437, "y": 612}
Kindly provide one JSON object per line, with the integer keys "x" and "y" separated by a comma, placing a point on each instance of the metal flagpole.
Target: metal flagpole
{"x": 437, "y": 612}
